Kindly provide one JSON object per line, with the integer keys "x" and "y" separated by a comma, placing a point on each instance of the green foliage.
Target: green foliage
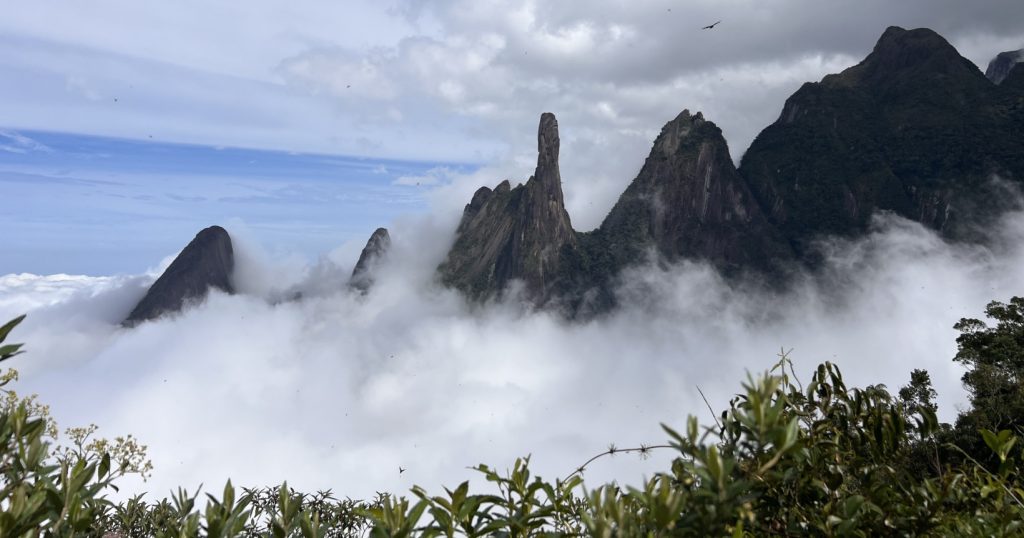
{"x": 919, "y": 394}
{"x": 10, "y": 350}
{"x": 41, "y": 495}
{"x": 48, "y": 488}
{"x": 994, "y": 357}
{"x": 824, "y": 460}
{"x": 787, "y": 459}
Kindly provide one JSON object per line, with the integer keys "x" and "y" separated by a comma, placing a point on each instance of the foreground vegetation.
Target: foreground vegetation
{"x": 785, "y": 458}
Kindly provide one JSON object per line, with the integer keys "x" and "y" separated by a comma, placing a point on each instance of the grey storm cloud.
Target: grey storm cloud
{"x": 614, "y": 73}
{"x": 390, "y": 79}
{"x": 654, "y": 41}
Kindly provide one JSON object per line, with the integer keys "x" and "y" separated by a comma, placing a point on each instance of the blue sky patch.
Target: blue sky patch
{"x": 97, "y": 205}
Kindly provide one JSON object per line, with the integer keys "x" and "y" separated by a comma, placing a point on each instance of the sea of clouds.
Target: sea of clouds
{"x": 338, "y": 390}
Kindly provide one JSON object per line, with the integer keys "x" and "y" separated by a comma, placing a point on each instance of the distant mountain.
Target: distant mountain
{"x": 1000, "y": 66}
{"x": 205, "y": 263}
{"x": 689, "y": 201}
{"x": 915, "y": 129}
{"x": 516, "y": 234}
{"x": 375, "y": 249}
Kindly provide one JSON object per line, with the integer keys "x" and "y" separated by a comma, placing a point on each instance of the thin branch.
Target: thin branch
{"x": 709, "y": 407}
{"x": 938, "y": 461}
{"x": 642, "y": 449}
{"x": 982, "y": 467}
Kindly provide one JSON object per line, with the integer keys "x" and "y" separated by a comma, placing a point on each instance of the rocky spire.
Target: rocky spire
{"x": 206, "y": 262}
{"x": 547, "y": 173}
{"x": 376, "y": 247}
{"x": 520, "y": 233}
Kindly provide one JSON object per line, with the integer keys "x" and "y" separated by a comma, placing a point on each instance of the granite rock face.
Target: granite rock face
{"x": 914, "y": 129}
{"x": 515, "y": 234}
{"x": 205, "y": 263}
{"x": 1000, "y": 66}
{"x": 376, "y": 247}
{"x": 688, "y": 201}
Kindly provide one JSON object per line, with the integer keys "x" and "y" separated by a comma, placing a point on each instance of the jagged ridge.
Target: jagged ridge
{"x": 914, "y": 128}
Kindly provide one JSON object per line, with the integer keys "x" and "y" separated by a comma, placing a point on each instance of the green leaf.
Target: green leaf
{"x": 6, "y": 329}
{"x": 990, "y": 439}
{"x": 9, "y": 351}
{"x": 104, "y": 465}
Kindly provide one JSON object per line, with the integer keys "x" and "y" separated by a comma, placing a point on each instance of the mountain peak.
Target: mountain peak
{"x": 682, "y": 127}
{"x": 547, "y": 173}
{"x": 923, "y": 40}
{"x": 686, "y": 117}
{"x": 688, "y": 201}
{"x": 206, "y": 262}
{"x": 375, "y": 249}
{"x": 900, "y": 54}
{"x": 510, "y": 234}
{"x": 547, "y": 139}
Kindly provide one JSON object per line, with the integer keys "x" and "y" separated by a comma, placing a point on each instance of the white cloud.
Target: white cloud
{"x": 78, "y": 84}
{"x": 338, "y": 390}
{"x": 433, "y": 176}
{"x": 20, "y": 293}
{"x": 19, "y": 143}
{"x": 342, "y": 75}
{"x": 446, "y": 80}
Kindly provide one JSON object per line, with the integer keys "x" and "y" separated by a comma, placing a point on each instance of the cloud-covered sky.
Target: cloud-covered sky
{"x": 447, "y": 80}
{"x": 121, "y": 125}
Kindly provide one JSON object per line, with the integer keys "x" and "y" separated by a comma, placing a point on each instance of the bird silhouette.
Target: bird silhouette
{"x": 400, "y": 470}
{"x": 710, "y": 26}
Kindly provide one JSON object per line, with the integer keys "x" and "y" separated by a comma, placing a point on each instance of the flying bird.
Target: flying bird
{"x": 400, "y": 470}
{"x": 710, "y": 26}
